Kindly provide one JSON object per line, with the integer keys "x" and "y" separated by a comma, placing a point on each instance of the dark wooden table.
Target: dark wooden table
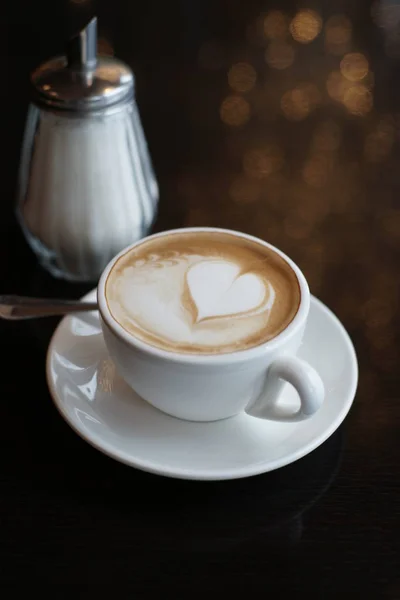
{"x": 290, "y": 134}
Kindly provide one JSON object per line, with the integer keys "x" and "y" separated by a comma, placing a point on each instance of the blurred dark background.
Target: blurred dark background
{"x": 280, "y": 119}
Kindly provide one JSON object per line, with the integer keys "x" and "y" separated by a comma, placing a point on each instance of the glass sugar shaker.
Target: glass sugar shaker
{"x": 86, "y": 185}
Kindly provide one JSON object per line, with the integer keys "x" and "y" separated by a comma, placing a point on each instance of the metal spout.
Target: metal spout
{"x": 82, "y": 48}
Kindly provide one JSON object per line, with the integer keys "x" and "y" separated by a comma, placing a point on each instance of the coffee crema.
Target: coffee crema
{"x": 202, "y": 292}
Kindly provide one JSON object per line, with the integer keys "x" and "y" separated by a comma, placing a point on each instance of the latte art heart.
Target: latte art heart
{"x": 219, "y": 289}
{"x": 202, "y": 292}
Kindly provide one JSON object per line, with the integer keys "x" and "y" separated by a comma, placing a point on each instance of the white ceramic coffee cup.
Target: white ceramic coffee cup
{"x": 212, "y": 387}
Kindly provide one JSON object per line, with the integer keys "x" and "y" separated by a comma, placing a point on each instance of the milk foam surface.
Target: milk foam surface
{"x": 202, "y": 292}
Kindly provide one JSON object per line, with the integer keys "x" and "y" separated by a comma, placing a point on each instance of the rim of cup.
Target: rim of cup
{"x": 225, "y": 357}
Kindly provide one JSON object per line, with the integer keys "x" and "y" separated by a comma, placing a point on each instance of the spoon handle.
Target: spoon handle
{"x": 20, "y": 307}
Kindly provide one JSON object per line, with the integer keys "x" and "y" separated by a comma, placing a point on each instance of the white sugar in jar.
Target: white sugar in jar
{"x": 87, "y": 187}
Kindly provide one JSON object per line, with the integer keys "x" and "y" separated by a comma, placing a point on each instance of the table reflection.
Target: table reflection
{"x": 270, "y": 509}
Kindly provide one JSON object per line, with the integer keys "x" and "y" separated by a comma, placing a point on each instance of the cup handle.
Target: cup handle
{"x": 302, "y": 377}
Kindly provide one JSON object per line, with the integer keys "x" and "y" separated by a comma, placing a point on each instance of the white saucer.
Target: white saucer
{"x": 105, "y": 412}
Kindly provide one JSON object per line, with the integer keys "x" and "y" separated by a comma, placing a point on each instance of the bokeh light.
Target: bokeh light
{"x": 305, "y": 26}
{"x": 337, "y": 34}
{"x": 379, "y": 142}
{"x": 244, "y": 191}
{"x": 355, "y": 96}
{"x": 275, "y": 25}
{"x": 279, "y": 55}
{"x": 298, "y": 103}
{"x": 211, "y": 55}
{"x": 354, "y": 66}
{"x": 337, "y": 86}
{"x": 358, "y": 100}
{"x": 261, "y": 162}
{"x": 235, "y": 111}
{"x": 242, "y": 77}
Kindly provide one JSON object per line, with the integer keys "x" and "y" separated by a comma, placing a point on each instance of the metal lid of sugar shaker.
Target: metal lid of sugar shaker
{"x": 82, "y": 81}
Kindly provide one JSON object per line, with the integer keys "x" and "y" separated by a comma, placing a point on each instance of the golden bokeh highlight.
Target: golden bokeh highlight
{"x": 379, "y": 143}
{"x": 337, "y": 86}
{"x": 275, "y": 25}
{"x": 358, "y": 100}
{"x": 242, "y": 77}
{"x": 211, "y": 55}
{"x": 354, "y": 66}
{"x": 279, "y": 55}
{"x": 234, "y": 111}
{"x": 260, "y": 163}
{"x": 305, "y": 26}
{"x": 244, "y": 191}
{"x": 338, "y": 32}
{"x": 298, "y": 103}
{"x": 327, "y": 137}
{"x": 316, "y": 171}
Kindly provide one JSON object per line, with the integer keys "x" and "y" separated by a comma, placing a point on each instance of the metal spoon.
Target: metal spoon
{"x": 20, "y": 307}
